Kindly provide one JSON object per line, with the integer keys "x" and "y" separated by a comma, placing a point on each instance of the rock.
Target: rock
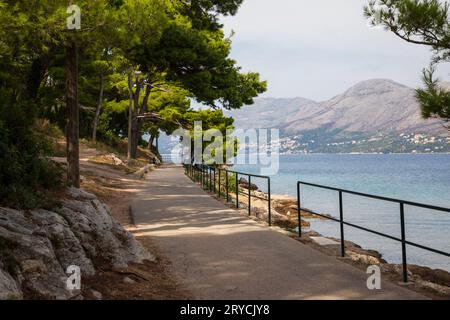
{"x": 79, "y": 194}
{"x": 115, "y": 160}
{"x": 66, "y": 245}
{"x": 312, "y": 234}
{"x": 115, "y": 246}
{"x": 290, "y": 224}
{"x": 394, "y": 268}
{"x": 37, "y": 246}
{"x": 128, "y": 280}
{"x": 32, "y": 266}
{"x": 362, "y": 258}
{"x": 436, "y": 276}
{"x": 97, "y": 295}
{"x": 289, "y": 207}
{"x": 9, "y": 289}
{"x": 440, "y": 289}
{"x": 155, "y": 160}
{"x": 243, "y": 183}
{"x": 140, "y": 174}
{"x": 279, "y": 220}
{"x": 111, "y": 159}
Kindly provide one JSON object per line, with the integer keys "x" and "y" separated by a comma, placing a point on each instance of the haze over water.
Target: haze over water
{"x": 417, "y": 178}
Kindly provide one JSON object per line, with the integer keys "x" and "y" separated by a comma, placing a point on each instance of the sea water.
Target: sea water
{"x": 417, "y": 178}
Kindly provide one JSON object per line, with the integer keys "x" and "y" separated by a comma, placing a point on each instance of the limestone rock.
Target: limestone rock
{"x": 80, "y": 194}
{"x": 128, "y": 280}
{"x": 97, "y": 295}
{"x": 116, "y": 246}
{"x": 243, "y": 183}
{"x": 9, "y": 289}
{"x": 37, "y": 247}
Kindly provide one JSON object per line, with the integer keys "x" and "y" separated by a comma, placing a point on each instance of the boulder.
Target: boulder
{"x": 128, "y": 280}
{"x": 97, "y": 295}
{"x": 37, "y": 246}
{"x": 243, "y": 183}
{"x": 9, "y": 289}
{"x": 140, "y": 174}
{"x": 437, "y": 276}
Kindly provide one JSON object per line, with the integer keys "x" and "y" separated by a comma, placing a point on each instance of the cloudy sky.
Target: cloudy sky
{"x": 318, "y": 48}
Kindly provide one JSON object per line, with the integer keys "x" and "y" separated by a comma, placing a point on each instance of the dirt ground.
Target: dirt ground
{"x": 114, "y": 185}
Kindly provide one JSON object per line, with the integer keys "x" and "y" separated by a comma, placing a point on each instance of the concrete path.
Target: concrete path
{"x": 220, "y": 254}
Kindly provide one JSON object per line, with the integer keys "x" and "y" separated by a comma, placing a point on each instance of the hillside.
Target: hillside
{"x": 376, "y": 115}
{"x": 270, "y": 112}
{"x": 370, "y": 106}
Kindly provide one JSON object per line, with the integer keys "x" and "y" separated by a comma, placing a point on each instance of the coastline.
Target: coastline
{"x": 365, "y": 153}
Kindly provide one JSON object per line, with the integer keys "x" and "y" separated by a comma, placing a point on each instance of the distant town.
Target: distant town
{"x": 380, "y": 143}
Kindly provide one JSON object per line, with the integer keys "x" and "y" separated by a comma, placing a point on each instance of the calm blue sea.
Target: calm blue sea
{"x": 418, "y": 178}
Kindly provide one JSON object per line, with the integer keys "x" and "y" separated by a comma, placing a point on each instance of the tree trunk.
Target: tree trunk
{"x": 150, "y": 142}
{"x": 99, "y": 108}
{"x": 130, "y": 115}
{"x": 73, "y": 130}
{"x": 133, "y": 138}
{"x": 137, "y": 122}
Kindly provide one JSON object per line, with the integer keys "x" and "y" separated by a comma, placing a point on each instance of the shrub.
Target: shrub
{"x": 26, "y": 174}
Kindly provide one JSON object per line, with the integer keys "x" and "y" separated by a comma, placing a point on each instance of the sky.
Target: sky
{"x": 317, "y": 49}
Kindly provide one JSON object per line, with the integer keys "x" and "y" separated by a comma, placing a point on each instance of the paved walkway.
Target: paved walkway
{"x": 220, "y": 254}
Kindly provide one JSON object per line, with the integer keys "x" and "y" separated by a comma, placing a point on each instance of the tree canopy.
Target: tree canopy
{"x": 132, "y": 69}
{"x": 423, "y": 22}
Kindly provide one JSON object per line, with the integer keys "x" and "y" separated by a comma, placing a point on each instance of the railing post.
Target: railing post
{"x": 403, "y": 230}
{"x": 341, "y": 214}
{"x": 226, "y": 185}
{"x": 210, "y": 179}
{"x": 214, "y": 189}
{"x": 220, "y": 183}
{"x": 249, "y": 196}
{"x": 203, "y": 177}
{"x": 299, "y": 211}
{"x": 237, "y": 191}
{"x": 270, "y": 202}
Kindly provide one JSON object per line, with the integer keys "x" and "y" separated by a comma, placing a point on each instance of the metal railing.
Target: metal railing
{"x": 217, "y": 181}
{"x": 212, "y": 179}
{"x": 166, "y": 158}
{"x": 402, "y": 239}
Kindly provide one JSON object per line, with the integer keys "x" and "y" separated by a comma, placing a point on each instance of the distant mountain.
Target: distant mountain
{"x": 371, "y": 109}
{"x": 370, "y": 106}
{"x": 269, "y": 112}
